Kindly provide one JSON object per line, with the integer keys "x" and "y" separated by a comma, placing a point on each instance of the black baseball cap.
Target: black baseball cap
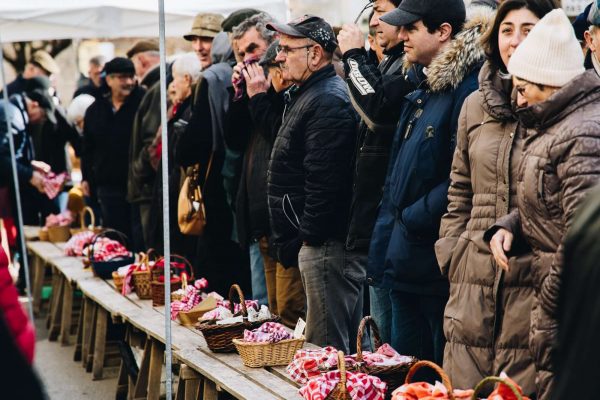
{"x": 37, "y": 89}
{"x": 410, "y": 11}
{"x": 311, "y": 27}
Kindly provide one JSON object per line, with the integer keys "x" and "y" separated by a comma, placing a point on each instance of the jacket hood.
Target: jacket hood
{"x": 221, "y": 49}
{"x": 582, "y": 90}
{"x": 449, "y": 68}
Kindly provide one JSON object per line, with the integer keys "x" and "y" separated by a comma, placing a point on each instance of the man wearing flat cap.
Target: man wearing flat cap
{"x": 106, "y": 134}
{"x": 146, "y": 58}
{"x": 204, "y": 29}
{"x": 41, "y": 64}
{"x": 309, "y": 182}
{"x": 592, "y": 37}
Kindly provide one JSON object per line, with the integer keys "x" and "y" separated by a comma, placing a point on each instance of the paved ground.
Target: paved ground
{"x": 65, "y": 378}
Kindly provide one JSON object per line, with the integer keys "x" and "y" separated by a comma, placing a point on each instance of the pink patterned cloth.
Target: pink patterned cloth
{"x": 106, "y": 249}
{"x": 269, "y": 332}
{"x": 360, "y": 386}
{"x": 78, "y": 242}
{"x": 192, "y": 296}
{"x": 308, "y": 364}
{"x": 53, "y": 184}
{"x": 385, "y": 355}
{"x": 237, "y": 306}
{"x": 63, "y": 219}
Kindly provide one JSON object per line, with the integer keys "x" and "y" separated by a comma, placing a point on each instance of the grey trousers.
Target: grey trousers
{"x": 334, "y": 284}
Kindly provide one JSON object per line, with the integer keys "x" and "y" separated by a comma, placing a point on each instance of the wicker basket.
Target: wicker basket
{"x": 219, "y": 337}
{"x": 184, "y": 285}
{"x": 495, "y": 379}
{"x": 118, "y": 280}
{"x": 393, "y": 375}
{"x": 142, "y": 279}
{"x": 158, "y": 290}
{"x": 445, "y": 379}
{"x": 58, "y": 234}
{"x": 104, "y": 269}
{"x": 82, "y": 226}
{"x": 257, "y": 355}
{"x": 43, "y": 235}
{"x": 340, "y": 392}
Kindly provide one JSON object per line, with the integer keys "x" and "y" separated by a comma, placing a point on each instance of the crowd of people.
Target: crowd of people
{"x": 430, "y": 180}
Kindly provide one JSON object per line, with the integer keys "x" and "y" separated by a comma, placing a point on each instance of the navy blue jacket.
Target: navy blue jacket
{"x": 401, "y": 254}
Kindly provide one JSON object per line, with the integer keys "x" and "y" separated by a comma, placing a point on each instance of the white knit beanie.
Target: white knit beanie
{"x": 551, "y": 54}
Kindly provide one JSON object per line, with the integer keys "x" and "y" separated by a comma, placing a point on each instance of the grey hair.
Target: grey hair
{"x": 258, "y": 21}
{"x": 98, "y": 61}
{"x": 188, "y": 64}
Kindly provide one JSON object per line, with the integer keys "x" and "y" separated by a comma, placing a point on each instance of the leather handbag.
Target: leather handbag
{"x": 191, "y": 214}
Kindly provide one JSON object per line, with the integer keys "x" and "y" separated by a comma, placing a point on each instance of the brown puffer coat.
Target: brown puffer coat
{"x": 560, "y": 164}
{"x": 486, "y": 321}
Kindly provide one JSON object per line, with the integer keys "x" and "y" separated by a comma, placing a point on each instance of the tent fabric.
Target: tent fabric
{"x": 27, "y": 20}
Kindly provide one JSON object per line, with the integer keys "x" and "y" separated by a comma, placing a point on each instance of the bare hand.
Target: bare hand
{"x": 350, "y": 37}
{"x": 41, "y": 166}
{"x": 85, "y": 188}
{"x": 500, "y": 244}
{"x": 37, "y": 181}
{"x": 237, "y": 73}
{"x": 256, "y": 82}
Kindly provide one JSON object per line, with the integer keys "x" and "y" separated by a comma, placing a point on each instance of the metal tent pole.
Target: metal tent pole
{"x": 13, "y": 162}
{"x": 165, "y": 189}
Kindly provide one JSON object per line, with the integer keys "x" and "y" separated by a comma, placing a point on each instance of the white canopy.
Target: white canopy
{"x": 25, "y": 20}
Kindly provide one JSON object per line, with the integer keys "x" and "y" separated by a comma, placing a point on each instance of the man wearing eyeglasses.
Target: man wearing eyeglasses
{"x": 107, "y": 133}
{"x": 309, "y": 182}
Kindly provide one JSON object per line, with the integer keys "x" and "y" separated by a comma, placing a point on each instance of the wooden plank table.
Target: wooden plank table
{"x": 42, "y": 255}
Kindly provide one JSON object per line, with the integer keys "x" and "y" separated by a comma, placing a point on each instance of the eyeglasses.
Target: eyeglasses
{"x": 522, "y": 84}
{"x": 285, "y": 49}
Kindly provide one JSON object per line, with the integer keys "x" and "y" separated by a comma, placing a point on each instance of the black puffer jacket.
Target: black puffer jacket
{"x": 309, "y": 177}
{"x": 376, "y": 94}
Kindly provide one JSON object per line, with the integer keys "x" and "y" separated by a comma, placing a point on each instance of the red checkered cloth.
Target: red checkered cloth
{"x": 78, "y": 242}
{"x": 237, "y": 307}
{"x": 53, "y": 184}
{"x": 308, "y": 364}
{"x": 106, "y": 249}
{"x": 269, "y": 332}
{"x": 360, "y": 386}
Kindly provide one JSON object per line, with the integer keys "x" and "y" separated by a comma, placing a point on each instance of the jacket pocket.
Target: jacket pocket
{"x": 412, "y": 258}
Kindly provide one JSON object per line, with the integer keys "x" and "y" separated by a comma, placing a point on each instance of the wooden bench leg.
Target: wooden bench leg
{"x": 141, "y": 385}
{"x": 56, "y": 313}
{"x": 155, "y": 371}
{"x": 78, "y": 355}
{"x": 53, "y": 298}
{"x": 89, "y": 311}
{"x": 40, "y": 268}
{"x": 210, "y": 391}
{"x": 99, "y": 343}
{"x": 67, "y": 313}
{"x": 189, "y": 384}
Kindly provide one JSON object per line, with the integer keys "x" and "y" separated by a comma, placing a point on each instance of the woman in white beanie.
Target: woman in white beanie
{"x": 485, "y": 331}
{"x": 560, "y": 164}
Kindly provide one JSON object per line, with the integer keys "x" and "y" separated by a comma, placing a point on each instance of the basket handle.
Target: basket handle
{"x": 188, "y": 265}
{"x": 236, "y": 288}
{"x": 90, "y": 211}
{"x": 361, "y": 331}
{"x": 445, "y": 379}
{"x": 105, "y": 233}
{"x": 496, "y": 379}
{"x": 342, "y": 368}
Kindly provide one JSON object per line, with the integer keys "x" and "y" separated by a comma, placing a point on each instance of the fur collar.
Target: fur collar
{"x": 449, "y": 68}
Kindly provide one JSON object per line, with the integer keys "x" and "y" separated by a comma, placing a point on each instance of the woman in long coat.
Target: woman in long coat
{"x": 486, "y": 332}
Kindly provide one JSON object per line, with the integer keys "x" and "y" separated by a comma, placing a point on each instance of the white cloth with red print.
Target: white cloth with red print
{"x": 74, "y": 247}
{"x": 269, "y": 332}
{"x": 54, "y": 183}
{"x": 63, "y": 219}
{"x": 360, "y": 386}
{"x": 385, "y": 356}
{"x": 192, "y": 296}
{"x": 308, "y": 364}
{"x": 105, "y": 249}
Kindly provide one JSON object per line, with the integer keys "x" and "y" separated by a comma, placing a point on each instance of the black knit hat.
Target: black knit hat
{"x": 237, "y": 17}
{"x": 119, "y": 65}
{"x": 309, "y": 26}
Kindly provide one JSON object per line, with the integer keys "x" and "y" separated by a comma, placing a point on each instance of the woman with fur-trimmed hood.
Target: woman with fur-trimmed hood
{"x": 486, "y": 321}
{"x": 443, "y": 58}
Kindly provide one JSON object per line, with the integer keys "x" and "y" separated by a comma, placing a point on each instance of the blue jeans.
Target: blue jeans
{"x": 381, "y": 312}
{"x": 417, "y": 325}
{"x": 257, "y": 275}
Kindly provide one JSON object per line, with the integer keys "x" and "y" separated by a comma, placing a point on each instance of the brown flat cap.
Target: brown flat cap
{"x": 205, "y": 25}
{"x": 45, "y": 61}
{"x": 141, "y": 47}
